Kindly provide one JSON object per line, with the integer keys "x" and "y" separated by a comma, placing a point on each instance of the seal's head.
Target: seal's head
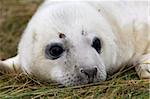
{"x": 68, "y": 43}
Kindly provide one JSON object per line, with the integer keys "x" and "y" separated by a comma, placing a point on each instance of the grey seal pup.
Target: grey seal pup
{"x": 81, "y": 42}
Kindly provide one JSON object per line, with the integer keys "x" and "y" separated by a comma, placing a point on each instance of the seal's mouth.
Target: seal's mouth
{"x": 83, "y": 76}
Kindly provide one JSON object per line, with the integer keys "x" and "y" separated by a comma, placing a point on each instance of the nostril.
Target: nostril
{"x": 82, "y": 71}
{"x": 95, "y": 70}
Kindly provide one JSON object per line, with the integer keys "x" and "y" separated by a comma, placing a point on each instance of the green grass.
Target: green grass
{"x": 14, "y": 15}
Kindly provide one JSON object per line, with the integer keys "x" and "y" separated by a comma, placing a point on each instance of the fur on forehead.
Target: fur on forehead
{"x": 61, "y": 17}
{"x": 68, "y": 18}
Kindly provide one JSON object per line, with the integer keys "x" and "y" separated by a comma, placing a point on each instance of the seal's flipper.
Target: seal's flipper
{"x": 10, "y": 65}
{"x": 143, "y": 67}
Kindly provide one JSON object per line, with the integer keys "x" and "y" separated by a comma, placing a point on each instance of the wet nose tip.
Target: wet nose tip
{"x": 89, "y": 72}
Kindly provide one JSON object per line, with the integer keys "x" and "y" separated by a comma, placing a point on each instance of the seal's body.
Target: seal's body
{"x": 76, "y": 43}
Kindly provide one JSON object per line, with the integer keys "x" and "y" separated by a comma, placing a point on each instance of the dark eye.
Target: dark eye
{"x": 54, "y": 51}
{"x": 96, "y": 44}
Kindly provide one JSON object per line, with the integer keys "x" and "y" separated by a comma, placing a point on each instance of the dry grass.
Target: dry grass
{"x": 14, "y": 15}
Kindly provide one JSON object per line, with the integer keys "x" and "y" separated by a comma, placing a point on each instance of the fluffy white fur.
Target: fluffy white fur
{"x": 123, "y": 28}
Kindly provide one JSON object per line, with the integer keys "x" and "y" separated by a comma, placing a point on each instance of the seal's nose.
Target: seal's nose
{"x": 90, "y": 73}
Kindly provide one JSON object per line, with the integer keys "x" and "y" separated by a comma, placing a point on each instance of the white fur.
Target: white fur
{"x": 122, "y": 27}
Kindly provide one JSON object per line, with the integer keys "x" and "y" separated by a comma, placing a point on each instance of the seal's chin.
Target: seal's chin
{"x": 73, "y": 80}
{"x": 76, "y": 81}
